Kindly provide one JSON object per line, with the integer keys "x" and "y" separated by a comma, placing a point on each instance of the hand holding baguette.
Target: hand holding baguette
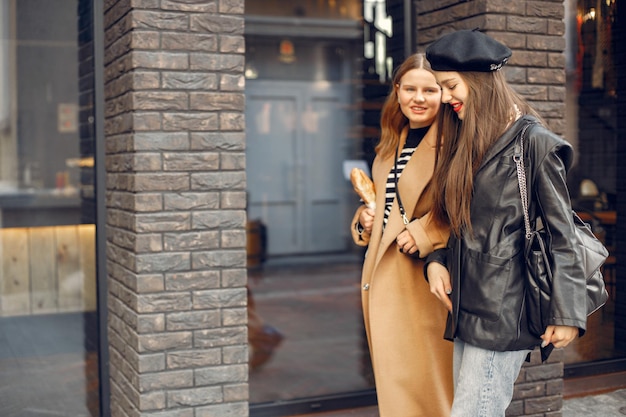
{"x": 364, "y": 187}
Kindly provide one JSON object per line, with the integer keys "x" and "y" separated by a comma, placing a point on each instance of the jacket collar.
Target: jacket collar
{"x": 507, "y": 138}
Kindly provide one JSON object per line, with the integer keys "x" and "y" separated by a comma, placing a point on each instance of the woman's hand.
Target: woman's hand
{"x": 439, "y": 280}
{"x": 559, "y": 336}
{"x": 366, "y": 219}
{"x": 406, "y": 243}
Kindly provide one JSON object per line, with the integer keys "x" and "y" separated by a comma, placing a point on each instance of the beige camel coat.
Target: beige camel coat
{"x": 404, "y": 322}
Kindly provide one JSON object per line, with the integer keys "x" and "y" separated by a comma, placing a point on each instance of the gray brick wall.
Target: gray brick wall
{"x": 535, "y": 31}
{"x": 175, "y": 186}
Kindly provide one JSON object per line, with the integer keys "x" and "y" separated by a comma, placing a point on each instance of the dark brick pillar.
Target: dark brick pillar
{"x": 175, "y": 162}
{"x": 535, "y": 31}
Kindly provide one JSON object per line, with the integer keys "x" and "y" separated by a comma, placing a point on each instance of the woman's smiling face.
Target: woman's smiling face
{"x": 419, "y": 97}
{"x": 454, "y": 91}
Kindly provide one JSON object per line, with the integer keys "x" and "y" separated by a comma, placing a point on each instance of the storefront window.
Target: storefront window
{"x": 593, "y": 180}
{"x": 323, "y": 9}
{"x": 306, "y": 334}
{"x": 48, "y": 326}
{"x": 596, "y": 57}
{"x": 304, "y": 271}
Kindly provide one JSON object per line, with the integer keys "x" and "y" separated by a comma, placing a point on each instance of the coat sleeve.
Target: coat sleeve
{"x": 362, "y": 239}
{"x": 428, "y": 234}
{"x": 553, "y": 157}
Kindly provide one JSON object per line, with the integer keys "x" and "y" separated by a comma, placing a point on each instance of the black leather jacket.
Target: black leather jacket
{"x": 487, "y": 269}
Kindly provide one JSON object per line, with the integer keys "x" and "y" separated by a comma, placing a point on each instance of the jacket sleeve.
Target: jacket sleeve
{"x": 361, "y": 239}
{"x": 438, "y": 255}
{"x": 553, "y": 156}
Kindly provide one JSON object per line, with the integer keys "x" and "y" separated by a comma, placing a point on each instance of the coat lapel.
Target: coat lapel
{"x": 415, "y": 176}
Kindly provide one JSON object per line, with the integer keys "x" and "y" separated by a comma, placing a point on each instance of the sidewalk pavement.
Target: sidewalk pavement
{"x": 612, "y": 404}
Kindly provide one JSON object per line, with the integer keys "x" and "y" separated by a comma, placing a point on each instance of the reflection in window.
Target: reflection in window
{"x": 593, "y": 180}
{"x": 596, "y": 67}
{"x": 48, "y": 306}
{"x": 327, "y": 9}
{"x": 377, "y": 31}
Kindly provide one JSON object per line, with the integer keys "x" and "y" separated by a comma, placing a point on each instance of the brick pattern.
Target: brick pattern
{"x": 535, "y": 31}
{"x": 175, "y": 197}
{"x": 539, "y": 388}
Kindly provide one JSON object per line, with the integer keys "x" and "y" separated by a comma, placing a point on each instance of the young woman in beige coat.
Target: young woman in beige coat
{"x": 404, "y": 322}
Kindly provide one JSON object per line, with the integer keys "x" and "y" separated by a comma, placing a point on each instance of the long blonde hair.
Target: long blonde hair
{"x": 489, "y": 109}
{"x": 392, "y": 121}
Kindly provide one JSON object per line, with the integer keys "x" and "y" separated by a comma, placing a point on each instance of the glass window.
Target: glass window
{"x": 48, "y": 306}
{"x": 593, "y": 180}
{"x": 596, "y": 57}
{"x": 325, "y": 9}
{"x": 302, "y": 128}
{"x": 304, "y": 269}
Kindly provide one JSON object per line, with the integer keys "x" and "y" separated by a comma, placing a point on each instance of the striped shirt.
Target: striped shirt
{"x": 413, "y": 139}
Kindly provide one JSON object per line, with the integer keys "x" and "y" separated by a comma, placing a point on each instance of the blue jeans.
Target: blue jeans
{"x": 484, "y": 380}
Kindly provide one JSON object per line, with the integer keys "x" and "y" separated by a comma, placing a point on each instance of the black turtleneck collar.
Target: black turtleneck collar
{"x": 415, "y": 136}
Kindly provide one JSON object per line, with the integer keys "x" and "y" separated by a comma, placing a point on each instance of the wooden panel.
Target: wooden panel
{"x": 69, "y": 271}
{"x": 47, "y": 269}
{"x": 87, "y": 247}
{"x": 43, "y": 277}
{"x": 14, "y": 291}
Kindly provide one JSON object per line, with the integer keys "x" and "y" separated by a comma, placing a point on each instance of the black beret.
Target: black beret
{"x": 467, "y": 50}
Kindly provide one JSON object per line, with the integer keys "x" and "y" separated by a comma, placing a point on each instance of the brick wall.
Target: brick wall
{"x": 175, "y": 184}
{"x": 535, "y": 31}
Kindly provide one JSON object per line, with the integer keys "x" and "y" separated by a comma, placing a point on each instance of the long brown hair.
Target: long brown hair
{"x": 489, "y": 109}
{"x": 392, "y": 121}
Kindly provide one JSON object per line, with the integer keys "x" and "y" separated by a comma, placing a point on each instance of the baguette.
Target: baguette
{"x": 364, "y": 187}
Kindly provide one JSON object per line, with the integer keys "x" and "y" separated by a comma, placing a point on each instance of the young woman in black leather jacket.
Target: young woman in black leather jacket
{"x": 477, "y": 193}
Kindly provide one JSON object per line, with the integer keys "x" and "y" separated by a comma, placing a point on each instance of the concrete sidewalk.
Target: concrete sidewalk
{"x": 611, "y": 404}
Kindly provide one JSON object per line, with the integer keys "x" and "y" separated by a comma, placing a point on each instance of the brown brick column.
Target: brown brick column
{"x": 535, "y": 31}
{"x": 175, "y": 161}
